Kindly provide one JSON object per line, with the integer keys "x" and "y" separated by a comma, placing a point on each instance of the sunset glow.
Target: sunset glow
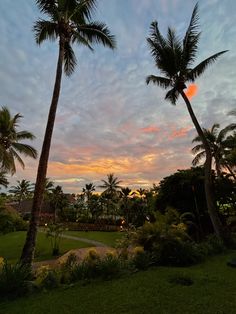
{"x": 108, "y": 120}
{"x": 191, "y": 91}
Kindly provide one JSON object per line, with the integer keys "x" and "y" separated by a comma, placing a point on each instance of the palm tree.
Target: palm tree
{"x": 111, "y": 186}
{"x": 10, "y": 141}
{"x": 21, "y": 191}
{"x": 174, "y": 58}
{"x": 88, "y": 190}
{"x": 219, "y": 144}
{"x": 70, "y": 21}
{"x": 125, "y": 197}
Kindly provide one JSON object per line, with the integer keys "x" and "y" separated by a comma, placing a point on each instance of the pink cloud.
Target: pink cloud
{"x": 182, "y": 132}
{"x": 150, "y": 129}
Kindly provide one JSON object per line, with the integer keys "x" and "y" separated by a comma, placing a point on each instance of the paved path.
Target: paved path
{"x": 93, "y": 242}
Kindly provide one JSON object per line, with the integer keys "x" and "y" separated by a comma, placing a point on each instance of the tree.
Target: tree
{"x": 70, "y": 21}
{"x": 21, "y": 191}
{"x": 10, "y": 141}
{"x": 219, "y": 144}
{"x": 111, "y": 186}
{"x": 125, "y": 194}
{"x": 88, "y": 190}
{"x": 174, "y": 58}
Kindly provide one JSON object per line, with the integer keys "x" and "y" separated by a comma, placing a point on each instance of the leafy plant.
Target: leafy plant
{"x": 54, "y": 232}
{"x": 14, "y": 280}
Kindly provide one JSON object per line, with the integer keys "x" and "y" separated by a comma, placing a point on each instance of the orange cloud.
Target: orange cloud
{"x": 150, "y": 129}
{"x": 179, "y": 133}
{"x": 191, "y": 91}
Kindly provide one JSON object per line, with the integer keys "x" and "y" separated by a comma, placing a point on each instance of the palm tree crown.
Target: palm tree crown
{"x": 175, "y": 58}
{"x": 70, "y": 22}
{"x": 111, "y": 185}
{"x": 219, "y": 144}
{"x": 10, "y": 141}
{"x": 88, "y": 190}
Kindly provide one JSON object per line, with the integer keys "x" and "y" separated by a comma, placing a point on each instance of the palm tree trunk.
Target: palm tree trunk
{"x": 29, "y": 247}
{"x": 209, "y": 189}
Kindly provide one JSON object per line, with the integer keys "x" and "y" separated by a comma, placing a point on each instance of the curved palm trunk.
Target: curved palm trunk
{"x": 29, "y": 247}
{"x": 209, "y": 189}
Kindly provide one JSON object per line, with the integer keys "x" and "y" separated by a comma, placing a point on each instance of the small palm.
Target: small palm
{"x": 10, "y": 141}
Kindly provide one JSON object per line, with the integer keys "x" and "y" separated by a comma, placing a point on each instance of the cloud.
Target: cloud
{"x": 108, "y": 119}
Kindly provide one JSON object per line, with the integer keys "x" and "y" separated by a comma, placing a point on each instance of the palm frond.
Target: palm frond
{"x": 223, "y": 133}
{"x": 201, "y": 67}
{"x": 47, "y": 6}
{"x": 191, "y": 39}
{"x": 18, "y": 158}
{"x": 22, "y": 135}
{"x": 172, "y": 95}
{"x": 69, "y": 59}
{"x": 159, "y": 80}
{"x": 45, "y": 30}
{"x": 83, "y": 11}
{"x": 155, "y": 35}
{"x": 76, "y": 37}
{"x": 198, "y": 148}
{"x": 97, "y": 32}
{"x": 25, "y": 149}
{"x": 197, "y": 159}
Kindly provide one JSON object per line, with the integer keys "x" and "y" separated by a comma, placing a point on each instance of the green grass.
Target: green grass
{"x": 108, "y": 238}
{"x": 11, "y": 245}
{"x": 150, "y": 292}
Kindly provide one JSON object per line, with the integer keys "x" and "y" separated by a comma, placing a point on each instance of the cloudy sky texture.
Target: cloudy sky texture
{"x": 108, "y": 120}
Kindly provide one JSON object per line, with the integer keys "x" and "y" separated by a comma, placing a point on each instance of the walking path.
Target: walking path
{"x": 93, "y": 242}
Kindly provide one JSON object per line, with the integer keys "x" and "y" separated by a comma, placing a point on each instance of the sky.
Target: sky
{"x": 108, "y": 119}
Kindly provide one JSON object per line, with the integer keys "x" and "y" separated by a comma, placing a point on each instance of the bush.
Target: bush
{"x": 175, "y": 252}
{"x": 14, "y": 280}
{"x": 11, "y": 221}
{"x": 47, "y": 278}
{"x": 141, "y": 259}
{"x": 109, "y": 267}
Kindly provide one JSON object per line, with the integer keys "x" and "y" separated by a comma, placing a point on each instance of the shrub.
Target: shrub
{"x": 14, "y": 280}
{"x": 11, "y": 221}
{"x": 175, "y": 252}
{"x": 141, "y": 259}
{"x": 109, "y": 266}
{"x": 47, "y": 278}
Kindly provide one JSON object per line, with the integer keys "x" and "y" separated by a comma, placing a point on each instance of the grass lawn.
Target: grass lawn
{"x": 11, "y": 245}
{"x": 213, "y": 292}
{"x": 108, "y": 238}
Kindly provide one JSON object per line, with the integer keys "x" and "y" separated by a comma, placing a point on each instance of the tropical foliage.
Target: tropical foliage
{"x": 221, "y": 144}
{"x": 11, "y": 146}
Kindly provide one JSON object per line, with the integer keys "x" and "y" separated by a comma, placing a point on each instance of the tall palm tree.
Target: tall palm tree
{"x": 174, "y": 58}
{"x": 219, "y": 144}
{"x": 21, "y": 191}
{"x": 10, "y": 141}
{"x": 111, "y": 186}
{"x": 70, "y": 21}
